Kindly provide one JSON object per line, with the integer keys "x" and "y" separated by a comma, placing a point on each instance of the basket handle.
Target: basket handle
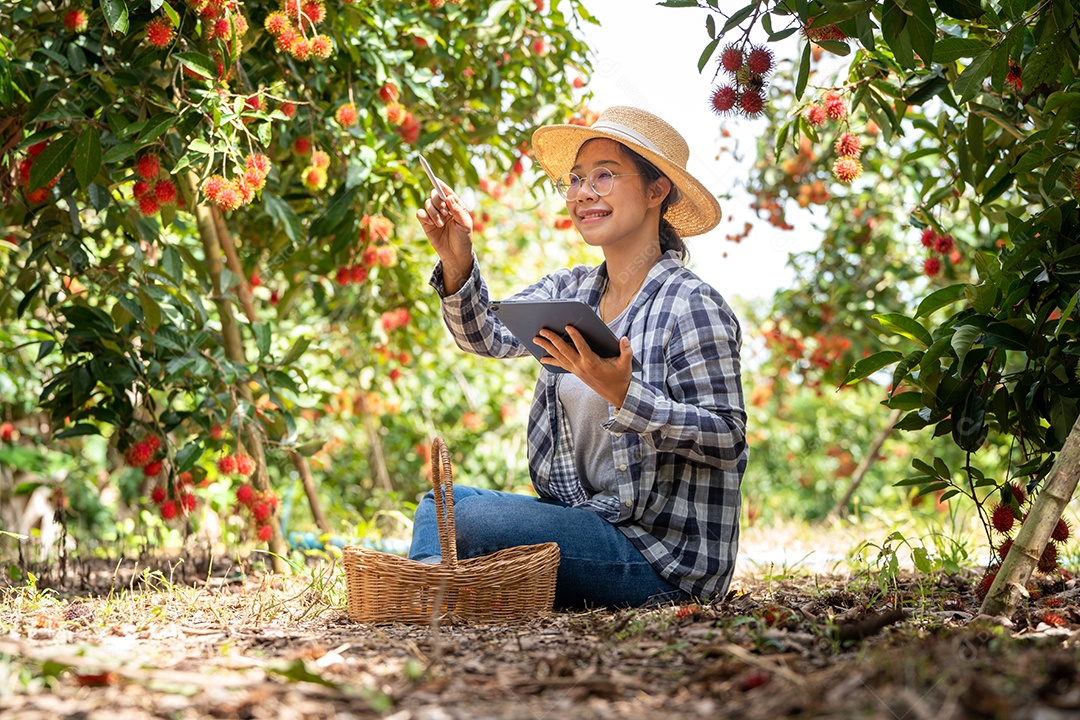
{"x": 442, "y": 483}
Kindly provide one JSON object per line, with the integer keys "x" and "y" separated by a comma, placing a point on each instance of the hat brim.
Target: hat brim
{"x": 697, "y": 210}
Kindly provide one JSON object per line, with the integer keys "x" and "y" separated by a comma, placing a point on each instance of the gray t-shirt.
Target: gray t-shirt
{"x": 587, "y": 412}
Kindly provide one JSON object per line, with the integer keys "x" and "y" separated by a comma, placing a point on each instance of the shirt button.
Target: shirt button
{"x": 622, "y": 468}
{"x": 628, "y": 504}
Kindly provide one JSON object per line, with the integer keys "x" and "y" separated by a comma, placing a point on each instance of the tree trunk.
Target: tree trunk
{"x": 865, "y": 465}
{"x": 248, "y": 305}
{"x": 234, "y": 350}
{"x": 1009, "y": 587}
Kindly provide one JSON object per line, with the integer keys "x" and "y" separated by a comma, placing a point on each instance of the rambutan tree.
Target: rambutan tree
{"x": 946, "y": 157}
{"x": 200, "y": 198}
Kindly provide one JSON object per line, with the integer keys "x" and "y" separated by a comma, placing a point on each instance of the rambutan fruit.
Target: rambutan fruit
{"x": 1004, "y": 548}
{"x": 931, "y": 266}
{"x": 1002, "y": 518}
{"x": 1053, "y": 619}
{"x": 731, "y": 59}
{"x": 724, "y": 99}
{"x": 751, "y": 103}
{"x": 301, "y": 145}
{"x": 151, "y": 469}
{"x": 76, "y": 20}
{"x": 259, "y": 162}
{"x": 1048, "y": 561}
{"x": 245, "y": 494}
{"x": 227, "y": 465}
{"x": 213, "y": 187}
{"x": 165, "y": 192}
{"x": 928, "y": 238}
{"x": 814, "y": 114}
{"x": 760, "y": 60}
{"x": 848, "y": 144}
{"x": 346, "y": 115}
{"x": 148, "y": 166}
{"x": 943, "y": 244}
{"x": 261, "y": 511}
{"x": 245, "y": 465}
{"x": 835, "y": 107}
{"x": 389, "y": 93}
{"x": 321, "y": 46}
{"x": 1018, "y": 492}
{"x": 188, "y": 502}
{"x": 168, "y": 510}
{"x": 847, "y": 169}
{"x": 320, "y": 160}
{"x": 158, "y": 495}
{"x": 159, "y": 32}
{"x": 265, "y": 532}
{"x": 984, "y": 585}
{"x": 314, "y": 178}
{"x": 1061, "y": 531}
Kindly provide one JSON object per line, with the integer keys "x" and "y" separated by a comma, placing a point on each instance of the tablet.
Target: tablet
{"x": 526, "y": 318}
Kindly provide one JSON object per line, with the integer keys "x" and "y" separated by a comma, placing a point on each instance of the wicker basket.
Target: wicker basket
{"x": 507, "y": 585}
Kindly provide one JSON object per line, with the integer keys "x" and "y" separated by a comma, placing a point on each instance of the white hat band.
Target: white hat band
{"x": 628, "y": 133}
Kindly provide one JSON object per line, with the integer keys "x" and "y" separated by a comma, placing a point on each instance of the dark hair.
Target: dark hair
{"x": 669, "y": 238}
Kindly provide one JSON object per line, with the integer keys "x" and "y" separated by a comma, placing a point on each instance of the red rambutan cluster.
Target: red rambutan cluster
{"x": 941, "y": 245}
{"x": 748, "y": 68}
{"x": 261, "y": 507}
{"x": 393, "y": 319}
{"x": 1003, "y": 520}
{"x": 229, "y": 194}
{"x": 293, "y": 28}
{"x": 176, "y": 500}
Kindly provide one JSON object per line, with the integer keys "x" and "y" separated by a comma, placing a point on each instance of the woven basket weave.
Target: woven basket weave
{"x": 507, "y": 585}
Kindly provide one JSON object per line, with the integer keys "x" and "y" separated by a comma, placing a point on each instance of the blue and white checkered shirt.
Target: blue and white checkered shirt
{"x": 679, "y": 439}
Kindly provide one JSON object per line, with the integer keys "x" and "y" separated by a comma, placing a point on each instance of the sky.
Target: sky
{"x": 646, "y": 56}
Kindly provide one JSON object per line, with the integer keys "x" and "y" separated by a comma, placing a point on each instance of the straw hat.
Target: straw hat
{"x": 695, "y": 212}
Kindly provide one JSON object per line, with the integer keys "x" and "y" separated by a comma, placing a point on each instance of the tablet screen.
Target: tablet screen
{"x": 526, "y": 318}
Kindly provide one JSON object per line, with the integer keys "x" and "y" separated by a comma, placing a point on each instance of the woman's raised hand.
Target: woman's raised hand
{"x": 448, "y": 226}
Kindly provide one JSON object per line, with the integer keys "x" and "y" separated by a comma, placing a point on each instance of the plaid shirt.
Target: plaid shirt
{"x": 679, "y": 439}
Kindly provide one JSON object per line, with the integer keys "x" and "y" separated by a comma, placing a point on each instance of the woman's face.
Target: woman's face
{"x": 607, "y": 219}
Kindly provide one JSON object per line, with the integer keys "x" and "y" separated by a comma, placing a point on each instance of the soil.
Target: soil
{"x": 193, "y": 640}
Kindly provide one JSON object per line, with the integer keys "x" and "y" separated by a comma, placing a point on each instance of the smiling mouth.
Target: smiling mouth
{"x": 594, "y": 214}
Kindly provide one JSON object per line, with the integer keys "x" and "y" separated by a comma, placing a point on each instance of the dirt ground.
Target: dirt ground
{"x": 191, "y": 641}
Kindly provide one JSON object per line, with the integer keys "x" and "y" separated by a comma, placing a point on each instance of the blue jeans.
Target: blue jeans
{"x": 598, "y": 565}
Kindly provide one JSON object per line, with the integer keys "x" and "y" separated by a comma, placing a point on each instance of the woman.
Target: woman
{"x": 637, "y": 471}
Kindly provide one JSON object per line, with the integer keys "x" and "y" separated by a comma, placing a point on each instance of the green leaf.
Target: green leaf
{"x": 283, "y": 215}
{"x": 737, "y": 17}
{"x": 951, "y": 49}
{"x": 870, "y": 365}
{"x": 116, "y": 15}
{"x": 297, "y": 349}
{"x": 923, "y": 29}
{"x": 172, "y": 264}
{"x": 707, "y": 53}
{"x": 969, "y": 423}
{"x": 941, "y": 298}
{"x": 908, "y": 400}
{"x": 189, "y": 455}
{"x": 77, "y": 430}
{"x": 960, "y": 9}
{"x": 298, "y": 671}
{"x": 1003, "y": 335}
{"x": 962, "y": 340}
{"x": 921, "y": 558}
{"x": 1044, "y": 62}
{"x": 121, "y": 152}
{"x": 970, "y": 81}
{"x": 262, "y": 338}
{"x": 904, "y": 367}
{"x": 836, "y": 47}
{"x": 87, "y": 157}
{"x": 156, "y": 127}
{"x": 804, "y": 72}
{"x": 903, "y": 325}
{"x": 52, "y": 160}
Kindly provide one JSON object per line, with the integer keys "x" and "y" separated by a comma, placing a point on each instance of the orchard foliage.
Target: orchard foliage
{"x": 946, "y": 157}
{"x": 207, "y": 224}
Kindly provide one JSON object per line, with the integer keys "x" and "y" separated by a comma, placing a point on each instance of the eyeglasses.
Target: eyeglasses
{"x": 601, "y": 180}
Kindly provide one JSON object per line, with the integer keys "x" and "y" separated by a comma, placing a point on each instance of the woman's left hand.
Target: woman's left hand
{"x": 609, "y": 377}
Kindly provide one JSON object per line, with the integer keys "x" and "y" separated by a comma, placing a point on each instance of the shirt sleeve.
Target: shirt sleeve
{"x": 700, "y": 413}
{"x": 467, "y": 315}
